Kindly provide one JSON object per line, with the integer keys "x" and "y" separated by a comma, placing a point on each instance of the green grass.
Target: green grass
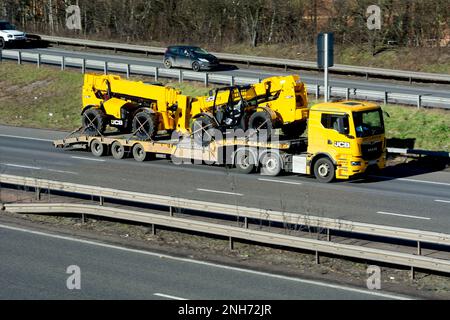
{"x": 51, "y": 99}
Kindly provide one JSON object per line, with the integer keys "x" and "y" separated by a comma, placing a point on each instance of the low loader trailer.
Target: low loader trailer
{"x": 344, "y": 139}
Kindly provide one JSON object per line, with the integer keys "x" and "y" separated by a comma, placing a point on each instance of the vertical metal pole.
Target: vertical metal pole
{"x": 347, "y": 94}
{"x": 102, "y": 201}
{"x": 128, "y": 71}
{"x": 180, "y": 76}
{"x": 38, "y": 193}
{"x": 156, "y": 73}
{"x": 413, "y": 273}
{"x": 328, "y": 235}
{"x": 419, "y": 248}
{"x": 171, "y": 211}
{"x": 231, "y": 243}
{"x": 419, "y": 101}
{"x": 317, "y": 91}
{"x": 153, "y": 230}
{"x": 19, "y": 57}
{"x": 83, "y": 218}
{"x": 83, "y": 66}
{"x": 246, "y": 223}
{"x": 232, "y": 81}
{"x": 206, "y": 79}
{"x": 63, "y": 63}
{"x": 317, "y": 257}
{"x": 385, "y": 97}
{"x": 38, "y": 60}
{"x": 105, "y": 68}
{"x": 326, "y": 67}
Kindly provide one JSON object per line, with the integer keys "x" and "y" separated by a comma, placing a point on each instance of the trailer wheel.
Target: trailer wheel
{"x": 98, "y": 149}
{"x": 324, "y": 170}
{"x": 271, "y": 164}
{"x": 94, "y": 122}
{"x": 139, "y": 153}
{"x": 117, "y": 150}
{"x": 245, "y": 162}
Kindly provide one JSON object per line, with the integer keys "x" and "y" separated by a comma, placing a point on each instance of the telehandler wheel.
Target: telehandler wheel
{"x": 324, "y": 170}
{"x": 117, "y": 150}
{"x": 244, "y": 161}
{"x": 140, "y": 154}
{"x": 167, "y": 63}
{"x": 271, "y": 164}
{"x": 94, "y": 122}
{"x": 98, "y": 149}
{"x": 261, "y": 122}
{"x": 200, "y": 128}
{"x": 145, "y": 125}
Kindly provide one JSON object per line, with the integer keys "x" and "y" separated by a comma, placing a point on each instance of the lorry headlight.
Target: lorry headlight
{"x": 356, "y": 163}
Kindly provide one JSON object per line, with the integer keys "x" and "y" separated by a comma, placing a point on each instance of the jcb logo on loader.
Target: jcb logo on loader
{"x": 117, "y": 122}
{"x": 340, "y": 144}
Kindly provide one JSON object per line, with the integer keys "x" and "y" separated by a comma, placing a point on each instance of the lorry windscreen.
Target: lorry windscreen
{"x": 368, "y": 123}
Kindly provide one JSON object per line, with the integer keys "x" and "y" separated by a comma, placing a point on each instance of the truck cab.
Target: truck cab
{"x": 345, "y": 139}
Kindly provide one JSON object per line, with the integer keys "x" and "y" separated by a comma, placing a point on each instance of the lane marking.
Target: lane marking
{"x": 21, "y": 166}
{"x": 88, "y": 159}
{"x": 444, "y": 201}
{"x": 221, "y": 192}
{"x": 209, "y": 264}
{"x": 25, "y": 138}
{"x": 37, "y": 168}
{"x": 168, "y": 296}
{"x": 280, "y": 181}
{"x": 403, "y": 215}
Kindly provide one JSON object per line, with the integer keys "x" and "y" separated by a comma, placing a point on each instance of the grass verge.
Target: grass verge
{"x": 51, "y": 99}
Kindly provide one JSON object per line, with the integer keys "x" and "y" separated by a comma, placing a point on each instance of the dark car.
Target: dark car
{"x": 191, "y": 57}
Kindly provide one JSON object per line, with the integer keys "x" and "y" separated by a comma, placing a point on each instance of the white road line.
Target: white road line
{"x": 168, "y": 296}
{"x": 280, "y": 181}
{"x": 62, "y": 171}
{"x": 412, "y": 180}
{"x": 443, "y": 201}
{"x": 25, "y": 138}
{"x": 209, "y": 264}
{"x": 403, "y": 215}
{"x": 20, "y": 166}
{"x": 221, "y": 192}
{"x": 88, "y": 159}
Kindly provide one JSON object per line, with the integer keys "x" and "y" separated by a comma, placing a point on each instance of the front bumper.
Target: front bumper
{"x": 357, "y": 166}
{"x": 208, "y": 65}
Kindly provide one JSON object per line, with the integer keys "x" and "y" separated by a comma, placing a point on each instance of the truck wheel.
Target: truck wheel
{"x": 196, "y": 66}
{"x": 140, "y": 154}
{"x": 145, "y": 125}
{"x": 117, "y": 150}
{"x": 271, "y": 164}
{"x": 94, "y": 122}
{"x": 200, "y": 128}
{"x": 167, "y": 63}
{"x": 324, "y": 170}
{"x": 261, "y": 121}
{"x": 245, "y": 161}
{"x": 295, "y": 129}
{"x": 98, "y": 149}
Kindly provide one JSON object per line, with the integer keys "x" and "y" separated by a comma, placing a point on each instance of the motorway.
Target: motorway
{"x": 371, "y": 84}
{"x": 419, "y": 200}
{"x": 33, "y": 266}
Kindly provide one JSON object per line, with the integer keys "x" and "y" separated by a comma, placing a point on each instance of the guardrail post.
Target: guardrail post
{"x": 206, "y": 79}
{"x": 38, "y": 60}
{"x": 367, "y": 76}
{"x": 232, "y": 81}
{"x": 105, "y": 67}
{"x": 285, "y": 68}
{"x": 385, "y": 97}
{"x": 347, "y": 94}
{"x": 63, "y": 63}
{"x": 153, "y": 229}
{"x": 246, "y": 223}
{"x": 171, "y": 211}
{"x": 102, "y": 201}
{"x": 156, "y": 73}
{"x": 419, "y": 248}
{"x": 128, "y": 70}
{"x": 248, "y": 64}
{"x": 180, "y": 76}
{"x": 83, "y": 66}
{"x": 328, "y": 235}
{"x": 329, "y": 91}
{"x": 19, "y": 57}
{"x": 38, "y": 193}
{"x": 317, "y": 257}
{"x": 419, "y": 101}
{"x": 413, "y": 273}
{"x": 83, "y": 218}
{"x": 231, "y": 242}
{"x": 317, "y": 91}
